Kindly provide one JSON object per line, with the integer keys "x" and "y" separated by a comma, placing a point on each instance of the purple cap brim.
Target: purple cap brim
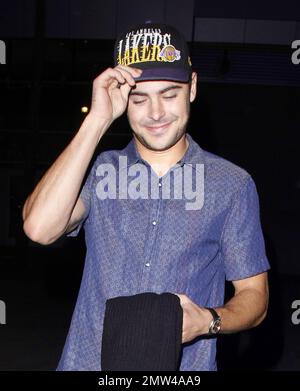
{"x": 180, "y": 75}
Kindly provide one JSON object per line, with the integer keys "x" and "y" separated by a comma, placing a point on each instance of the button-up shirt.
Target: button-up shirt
{"x": 185, "y": 232}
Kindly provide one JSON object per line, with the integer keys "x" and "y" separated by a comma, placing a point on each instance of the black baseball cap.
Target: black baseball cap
{"x": 158, "y": 49}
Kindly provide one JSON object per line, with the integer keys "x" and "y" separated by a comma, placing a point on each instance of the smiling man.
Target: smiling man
{"x": 153, "y": 243}
{"x": 158, "y": 112}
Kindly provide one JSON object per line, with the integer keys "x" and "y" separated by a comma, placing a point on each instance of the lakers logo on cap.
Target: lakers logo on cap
{"x": 169, "y": 53}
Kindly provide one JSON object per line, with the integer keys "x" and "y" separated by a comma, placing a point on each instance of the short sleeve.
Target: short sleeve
{"x": 243, "y": 245}
{"x": 85, "y": 196}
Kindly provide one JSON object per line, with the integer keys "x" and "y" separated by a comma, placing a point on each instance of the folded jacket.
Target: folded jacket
{"x": 142, "y": 332}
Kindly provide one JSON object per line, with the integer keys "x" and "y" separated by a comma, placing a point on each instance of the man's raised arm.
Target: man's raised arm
{"x": 53, "y": 207}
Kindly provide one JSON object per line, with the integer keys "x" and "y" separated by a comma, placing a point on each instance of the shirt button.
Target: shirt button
{"x": 154, "y": 222}
{"x": 147, "y": 264}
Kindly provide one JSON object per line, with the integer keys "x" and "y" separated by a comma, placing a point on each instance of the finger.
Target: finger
{"x": 129, "y": 74}
{"x": 135, "y": 72}
{"x": 184, "y": 299}
{"x": 114, "y": 84}
{"x": 125, "y": 90}
{"x": 105, "y": 79}
{"x": 128, "y": 77}
{"x": 119, "y": 77}
{"x": 179, "y": 296}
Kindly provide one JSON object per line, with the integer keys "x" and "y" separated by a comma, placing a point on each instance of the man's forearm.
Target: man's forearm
{"x": 244, "y": 310}
{"x": 48, "y": 209}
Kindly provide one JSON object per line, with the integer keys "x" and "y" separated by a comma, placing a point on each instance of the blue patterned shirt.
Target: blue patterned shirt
{"x": 158, "y": 244}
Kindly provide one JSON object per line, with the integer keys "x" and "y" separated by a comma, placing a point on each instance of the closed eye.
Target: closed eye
{"x": 137, "y": 102}
{"x": 170, "y": 97}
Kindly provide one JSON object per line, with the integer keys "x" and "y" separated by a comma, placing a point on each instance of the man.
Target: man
{"x": 140, "y": 239}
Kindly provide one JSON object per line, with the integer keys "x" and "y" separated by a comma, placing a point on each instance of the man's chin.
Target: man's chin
{"x": 162, "y": 143}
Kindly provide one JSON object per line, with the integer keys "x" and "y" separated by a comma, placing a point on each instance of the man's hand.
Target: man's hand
{"x": 110, "y": 92}
{"x": 246, "y": 309}
{"x": 196, "y": 320}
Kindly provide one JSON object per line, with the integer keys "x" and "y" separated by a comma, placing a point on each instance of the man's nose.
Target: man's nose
{"x": 156, "y": 110}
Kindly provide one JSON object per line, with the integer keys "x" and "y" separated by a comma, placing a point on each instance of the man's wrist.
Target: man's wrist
{"x": 215, "y": 323}
{"x": 97, "y": 123}
{"x": 205, "y": 321}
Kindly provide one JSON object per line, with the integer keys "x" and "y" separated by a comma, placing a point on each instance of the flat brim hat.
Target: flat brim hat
{"x": 158, "y": 49}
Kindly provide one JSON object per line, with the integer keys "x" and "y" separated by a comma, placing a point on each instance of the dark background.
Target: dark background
{"x": 247, "y": 111}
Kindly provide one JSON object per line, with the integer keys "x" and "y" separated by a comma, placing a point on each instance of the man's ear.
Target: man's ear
{"x": 193, "y": 88}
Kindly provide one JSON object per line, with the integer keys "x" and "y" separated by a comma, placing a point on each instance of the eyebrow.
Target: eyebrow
{"x": 140, "y": 93}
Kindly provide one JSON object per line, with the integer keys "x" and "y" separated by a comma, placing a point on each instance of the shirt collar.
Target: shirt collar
{"x": 193, "y": 153}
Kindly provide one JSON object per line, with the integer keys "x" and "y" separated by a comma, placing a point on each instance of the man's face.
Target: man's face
{"x": 158, "y": 111}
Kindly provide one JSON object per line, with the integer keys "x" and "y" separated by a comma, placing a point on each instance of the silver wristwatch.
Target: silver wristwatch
{"x": 215, "y": 325}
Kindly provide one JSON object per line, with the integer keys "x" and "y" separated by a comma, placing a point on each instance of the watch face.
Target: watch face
{"x": 216, "y": 327}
